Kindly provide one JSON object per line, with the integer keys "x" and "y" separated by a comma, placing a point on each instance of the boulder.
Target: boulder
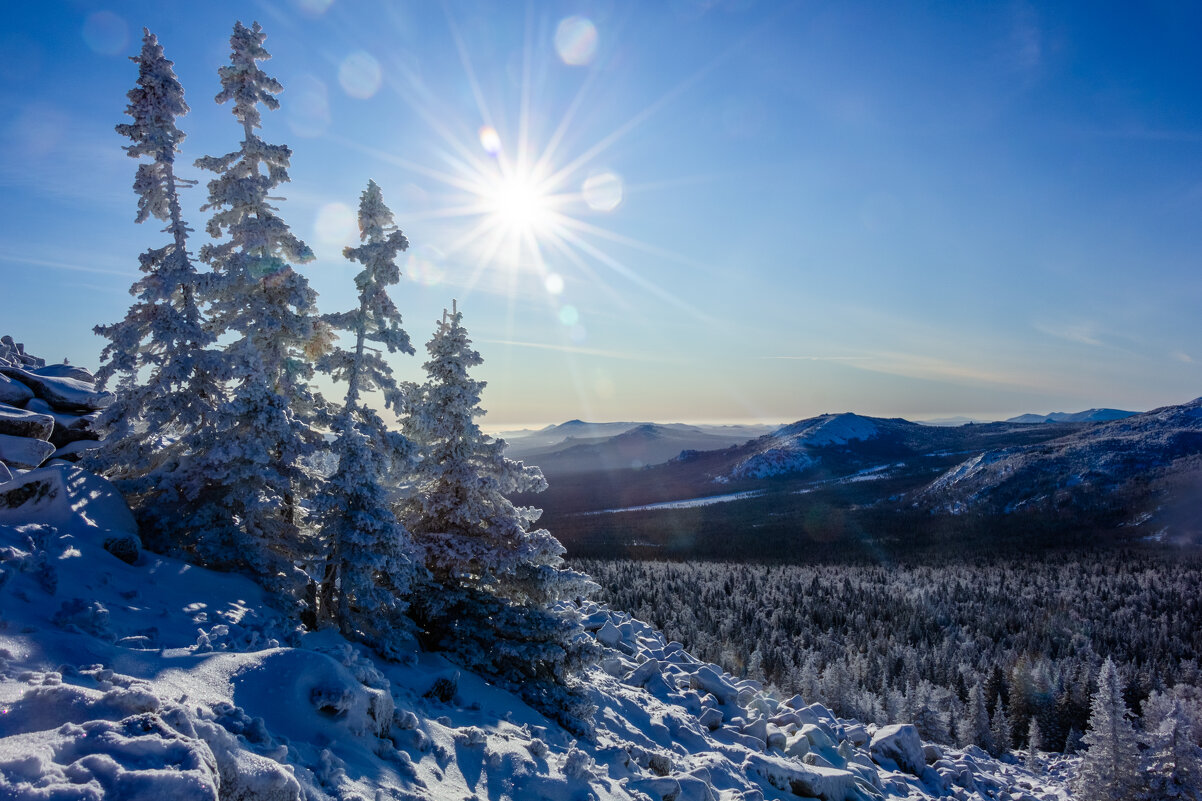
{"x": 66, "y": 371}
{"x": 64, "y": 394}
{"x": 73, "y": 451}
{"x": 70, "y": 499}
{"x": 644, "y": 673}
{"x": 899, "y": 745}
{"x": 13, "y": 353}
{"x": 21, "y": 423}
{"x": 807, "y": 781}
{"x": 24, "y": 453}
{"x": 68, "y": 428}
{"x": 13, "y": 392}
{"x": 708, "y": 679}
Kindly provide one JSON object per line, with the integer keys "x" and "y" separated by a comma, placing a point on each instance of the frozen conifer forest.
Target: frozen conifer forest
{"x": 221, "y": 581}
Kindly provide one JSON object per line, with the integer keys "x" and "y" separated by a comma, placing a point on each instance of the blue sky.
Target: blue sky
{"x": 675, "y": 211}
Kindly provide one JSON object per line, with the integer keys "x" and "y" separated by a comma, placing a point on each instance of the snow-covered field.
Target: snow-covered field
{"x": 159, "y": 679}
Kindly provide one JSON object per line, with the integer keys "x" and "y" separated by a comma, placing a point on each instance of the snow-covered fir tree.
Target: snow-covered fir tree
{"x": 170, "y": 382}
{"x": 250, "y": 476}
{"x": 1000, "y": 730}
{"x": 1174, "y": 763}
{"x": 500, "y": 599}
{"x": 369, "y": 557}
{"x": 1109, "y": 768}
{"x": 974, "y": 729}
{"x": 1034, "y": 744}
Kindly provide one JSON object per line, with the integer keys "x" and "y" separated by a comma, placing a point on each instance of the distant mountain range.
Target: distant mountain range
{"x": 1087, "y": 416}
{"x": 577, "y": 446}
{"x": 827, "y": 477}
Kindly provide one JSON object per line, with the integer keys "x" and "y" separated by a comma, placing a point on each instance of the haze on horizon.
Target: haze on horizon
{"x": 692, "y": 211}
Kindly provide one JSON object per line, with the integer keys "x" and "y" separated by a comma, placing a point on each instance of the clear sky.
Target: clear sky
{"x": 678, "y": 210}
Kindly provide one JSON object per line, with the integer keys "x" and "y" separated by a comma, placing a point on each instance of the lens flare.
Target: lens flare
{"x": 423, "y": 265}
{"x": 336, "y": 225}
{"x": 602, "y": 191}
{"x": 569, "y": 316}
{"x": 313, "y": 8}
{"x": 554, "y": 284}
{"x": 360, "y": 75}
{"x": 490, "y": 140}
{"x": 309, "y": 111}
{"x": 576, "y": 41}
{"x": 106, "y": 33}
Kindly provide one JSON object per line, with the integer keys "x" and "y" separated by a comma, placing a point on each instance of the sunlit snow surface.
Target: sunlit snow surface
{"x": 167, "y": 681}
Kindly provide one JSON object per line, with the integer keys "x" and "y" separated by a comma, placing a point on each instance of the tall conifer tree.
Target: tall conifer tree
{"x": 252, "y": 477}
{"x": 500, "y": 598}
{"x": 170, "y": 381}
{"x": 369, "y": 557}
{"x": 1109, "y": 769}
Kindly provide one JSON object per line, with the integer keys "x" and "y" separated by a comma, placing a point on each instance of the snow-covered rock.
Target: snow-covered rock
{"x": 899, "y": 745}
{"x": 22, "y": 423}
{"x": 12, "y": 354}
{"x": 64, "y": 394}
{"x": 69, "y": 498}
{"x": 13, "y": 392}
{"x": 24, "y": 453}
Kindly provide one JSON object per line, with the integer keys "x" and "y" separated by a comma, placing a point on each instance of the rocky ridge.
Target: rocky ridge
{"x": 47, "y": 411}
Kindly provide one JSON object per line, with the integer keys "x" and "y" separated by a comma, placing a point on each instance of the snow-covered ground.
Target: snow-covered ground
{"x": 153, "y": 678}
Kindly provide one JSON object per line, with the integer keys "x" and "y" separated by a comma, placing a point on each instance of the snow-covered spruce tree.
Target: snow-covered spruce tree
{"x": 162, "y": 340}
{"x": 1000, "y": 731}
{"x": 1109, "y": 769}
{"x": 498, "y": 598}
{"x": 974, "y": 729}
{"x": 249, "y": 477}
{"x": 369, "y": 557}
{"x": 1034, "y": 744}
{"x": 1174, "y": 768}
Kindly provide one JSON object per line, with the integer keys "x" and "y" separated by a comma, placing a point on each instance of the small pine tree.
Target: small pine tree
{"x": 1034, "y": 743}
{"x": 1000, "y": 732}
{"x": 1109, "y": 769}
{"x": 500, "y": 599}
{"x": 975, "y": 728}
{"x": 1174, "y": 761}
{"x": 163, "y": 335}
{"x": 370, "y": 559}
{"x": 251, "y": 475}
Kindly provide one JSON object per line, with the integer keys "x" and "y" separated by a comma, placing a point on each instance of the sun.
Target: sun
{"x": 520, "y": 204}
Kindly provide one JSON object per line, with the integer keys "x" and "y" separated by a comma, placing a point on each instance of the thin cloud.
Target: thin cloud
{"x": 1081, "y": 333}
{"x": 819, "y": 358}
{"x": 13, "y": 258}
{"x": 608, "y": 354}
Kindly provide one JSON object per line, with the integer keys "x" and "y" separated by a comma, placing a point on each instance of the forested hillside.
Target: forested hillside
{"x": 891, "y": 642}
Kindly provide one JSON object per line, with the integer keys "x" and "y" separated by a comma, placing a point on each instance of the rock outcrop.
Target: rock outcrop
{"x": 47, "y": 412}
